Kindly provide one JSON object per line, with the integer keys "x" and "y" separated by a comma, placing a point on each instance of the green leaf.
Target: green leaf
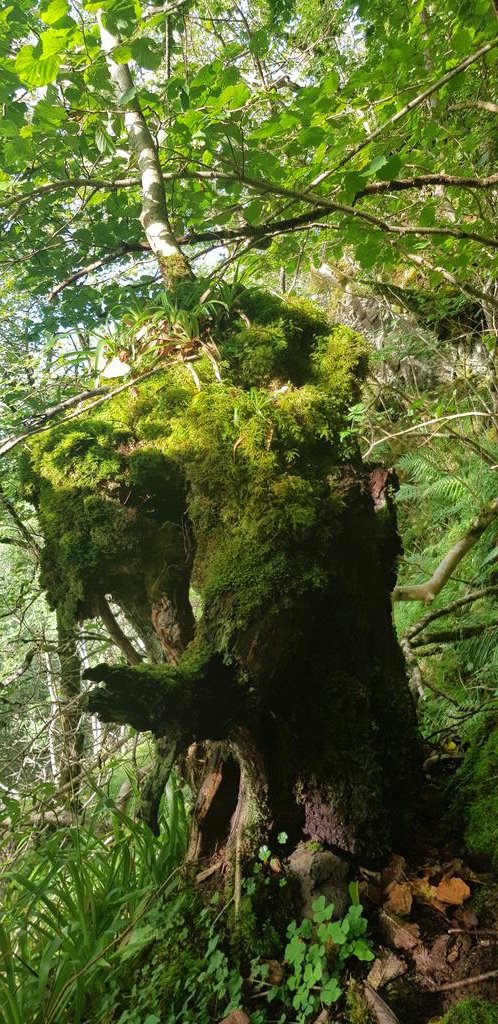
{"x": 147, "y": 53}
{"x": 390, "y": 169}
{"x": 54, "y": 11}
{"x": 40, "y": 65}
{"x": 311, "y": 137}
{"x": 354, "y": 895}
{"x": 103, "y": 141}
{"x": 122, "y": 54}
{"x": 330, "y": 992}
{"x": 259, "y": 43}
{"x": 362, "y": 950}
{"x": 377, "y": 163}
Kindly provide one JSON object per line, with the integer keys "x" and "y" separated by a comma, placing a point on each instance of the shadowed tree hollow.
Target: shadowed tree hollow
{"x": 235, "y": 489}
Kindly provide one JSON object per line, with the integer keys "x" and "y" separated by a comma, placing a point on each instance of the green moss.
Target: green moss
{"x": 342, "y": 363}
{"x": 251, "y": 491}
{"x": 473, "y": 1011}
{"x": 476, "y": 794}
{"x": 357, "y": 1011}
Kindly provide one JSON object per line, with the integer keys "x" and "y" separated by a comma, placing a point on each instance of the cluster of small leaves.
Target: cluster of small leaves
{"x": 316, "y": 955}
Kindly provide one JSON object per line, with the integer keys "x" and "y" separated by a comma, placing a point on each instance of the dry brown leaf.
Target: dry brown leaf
{"x": 423, "y": 890}
{"x": 385, "y": 968}
{"x": 453, "y": 891}
{"x": 399, "y": 898}
{"x": 468, "y": 917}
{"x": 381, "y": 1011}
{"x": 236, "y": 1017}
{"x": 394, "y": 872}
{"x": 398, "y": 933}
{"x": 275, "y": 972}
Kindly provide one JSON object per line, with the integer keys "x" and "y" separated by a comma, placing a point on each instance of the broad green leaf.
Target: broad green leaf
{"x": 390, "y": 169}
{"x": 36, "y": 68}
{"x": 147, "y": 52}
{"x": 52, "y": 12}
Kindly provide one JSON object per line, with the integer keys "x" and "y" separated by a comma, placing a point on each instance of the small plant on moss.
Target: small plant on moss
{"x": 316, "y": 954}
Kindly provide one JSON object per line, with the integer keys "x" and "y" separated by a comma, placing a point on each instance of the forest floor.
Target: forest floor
{"x": 434, "y": 918}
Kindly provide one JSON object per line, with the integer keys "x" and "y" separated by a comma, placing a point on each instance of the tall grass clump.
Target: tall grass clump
{"x": 74, "y": 900}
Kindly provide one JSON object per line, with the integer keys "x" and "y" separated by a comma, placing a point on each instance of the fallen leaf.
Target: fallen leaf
{"x": 469, "y": 918}
{"x": 423, "y": 890}
{"x": 399, "y": 898}
{"x": 453, "y": 891}
{"x": 385, "y": 968}
{"x": 394, "y": 872}
{"x": 275, "y": 972}
{"x": 398, "y": 933}
{"x": 236, "y": 1017}
{"x": 381, "y": 1011}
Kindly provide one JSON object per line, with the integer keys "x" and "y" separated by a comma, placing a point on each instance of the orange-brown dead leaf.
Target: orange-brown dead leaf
{"x": 453, "y": 891}
{"x": 399, "y": 898}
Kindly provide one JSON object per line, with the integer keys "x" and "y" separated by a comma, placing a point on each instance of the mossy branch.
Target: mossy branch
{"x": 194, "y": 700}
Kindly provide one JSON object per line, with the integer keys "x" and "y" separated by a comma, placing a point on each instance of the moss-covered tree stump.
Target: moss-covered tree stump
{"x": 247, "y": 500}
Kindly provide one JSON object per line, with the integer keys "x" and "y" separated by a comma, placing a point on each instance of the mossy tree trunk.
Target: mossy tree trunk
{"x": 323, "y": 742}
{"x": 288, "y": 692}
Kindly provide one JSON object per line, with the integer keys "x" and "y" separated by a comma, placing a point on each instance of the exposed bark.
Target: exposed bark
{"x": 153, "y": 787}
{"x": 154, "y": 217}
{"x": 428, "y": 591}
{"x": 53, "y": 730}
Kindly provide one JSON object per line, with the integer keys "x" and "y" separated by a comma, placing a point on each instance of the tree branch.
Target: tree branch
{"x": 30, "y": 541}
{"x": 429, "y": 590}
{"x": 411, "y": 105}
{"x": 491, "y": 108}
{"x": 40, "y": 424}
{"x": 124, "y": 250}
{"x": 422, "y": 426}
{"x": 154, "y": 217}
{"x": 18, "y": 672}
{"x": 116, "y": 633}
{"x": 446, "y": 636}
{"x": 421, "y": 180}
{"x": 440, "y": 613}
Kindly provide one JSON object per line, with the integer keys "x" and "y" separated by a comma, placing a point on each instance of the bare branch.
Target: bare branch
{"x": 18, "y": 672}
{"x": 421, "y": 426}
{"x": 447, "y": 636}
{"x": 429, "y": 590}
{"x": 123, "y": 251}
{"x": 20, "y": 525}
{"x": 116, "y": 633}
{"x": 41, "y": 424}
{"x": 491, "y": 108}
{"x": 421, "y": 180}
{"x": 440, "y": 613}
